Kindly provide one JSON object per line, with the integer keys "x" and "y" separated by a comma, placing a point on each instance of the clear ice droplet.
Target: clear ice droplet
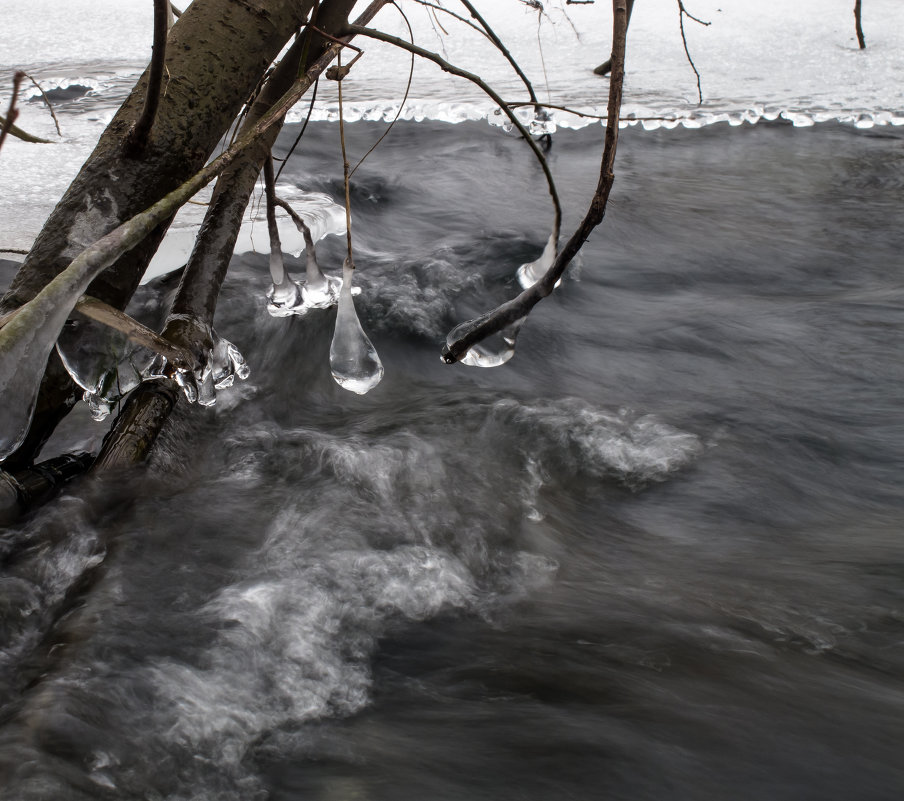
{"x": 494, "y": 351}
{"x": 354, "y": 362}
{"x": 542, "y": 124}
{"x": 528, "y": 274}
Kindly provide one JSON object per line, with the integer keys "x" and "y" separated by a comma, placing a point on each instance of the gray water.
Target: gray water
{"x": 659, "y": 555}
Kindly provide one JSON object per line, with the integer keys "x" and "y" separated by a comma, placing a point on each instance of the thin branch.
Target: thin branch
{"x": 93, "y": 260}
{"x": 276, "y": 259}
{"x": 520, "y": 306}
{"x": 304, "y": 127}
{"x": 137, "y": 138}
{"x": 47, "y": 102}
{"x": 107, "y": 315}
{"x": 15, "y": 250}
{"x": 16, "y": 131}
{"x": 345, "y": 176}
{"x": 12, "y": 112}
{"x": 860, "y": 38}
{"x": 404, "y": 98}
{"x": 176, "y": 12}
{"x": 682, "y": 13}
{"x": 501, "y": 47}
{"x": 452, "y": 14}
{"x": 475, "y": 79}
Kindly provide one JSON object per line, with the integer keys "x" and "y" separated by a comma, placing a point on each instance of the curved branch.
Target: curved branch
{"x": 491, "y": 34}
{"x": 682, "y": 13}
{"x": 859, "y": 24}
{"x": 477, "y": 80}
{"x": 520, "y": 306}
{"x": 47, "y": 102}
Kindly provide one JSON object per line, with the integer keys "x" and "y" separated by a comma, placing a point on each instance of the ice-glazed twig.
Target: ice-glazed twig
{"x": 519, "y": 307}
{"x": 682, "y": 13}
{"x": 26, "y": 343}
{"x": 140, "y": 334}
{"x": 478, "y": 81}
{"x": 137, "y": 138}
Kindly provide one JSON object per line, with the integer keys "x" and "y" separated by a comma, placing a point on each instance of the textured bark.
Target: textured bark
{"x": 191, "y": 315}
{"x": 216, "y": 55}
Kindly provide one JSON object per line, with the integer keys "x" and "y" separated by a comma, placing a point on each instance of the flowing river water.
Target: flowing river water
{"x": 657, "y": 555}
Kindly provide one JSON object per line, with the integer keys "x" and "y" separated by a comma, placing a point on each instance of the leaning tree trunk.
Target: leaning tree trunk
{"x": 216, "y": 55}
{"x": 191, "y": 317}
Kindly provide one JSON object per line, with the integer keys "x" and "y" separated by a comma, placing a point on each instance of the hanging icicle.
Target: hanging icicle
{"x": 354, "y": 361}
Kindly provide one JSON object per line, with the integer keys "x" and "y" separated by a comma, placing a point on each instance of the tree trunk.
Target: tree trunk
{"x": 216, "y": 55}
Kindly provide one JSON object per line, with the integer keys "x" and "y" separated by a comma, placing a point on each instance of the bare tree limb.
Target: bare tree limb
{"x": 502, "y": 49}
{"x": 112, "y": 317}
{"x": 477, "y": 80}
{"x": 137, "y": 138}
{"x": 682, "y": 13}
{"x": 858, "y": 22}
{"x": 14, "y": 130}
{"x": 606, "y": 67}
{"x": 520, "y": 306}
{"x": 12, "y": 112}
{"x": 47, "y": 102}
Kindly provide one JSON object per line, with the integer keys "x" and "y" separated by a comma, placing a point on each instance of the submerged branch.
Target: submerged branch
{"x": 478, "y": 81}
{"x": 520, "y": 306}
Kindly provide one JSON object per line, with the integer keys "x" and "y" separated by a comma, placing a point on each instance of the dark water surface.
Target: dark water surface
{"x": 659, "y": 555}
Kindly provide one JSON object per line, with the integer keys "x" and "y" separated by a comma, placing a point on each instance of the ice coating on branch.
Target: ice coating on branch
{"x": 493, "y": 351}
{"x": 103, "y": 362}
{"x": 354, "y": 361}
{"x": 528, "y": 274}
{"x": 542, "y": 124}
{"x": 286, "y": 296}
{"x": 222, "y": 365}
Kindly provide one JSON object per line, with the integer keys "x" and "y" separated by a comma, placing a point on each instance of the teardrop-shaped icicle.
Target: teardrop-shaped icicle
{"x": 354, "y": 362}
{"x": 528, "y": 274}
{"x": 493, "y": 351}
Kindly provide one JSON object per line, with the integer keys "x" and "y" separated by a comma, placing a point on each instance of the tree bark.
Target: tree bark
{"x": 215, "y": 56}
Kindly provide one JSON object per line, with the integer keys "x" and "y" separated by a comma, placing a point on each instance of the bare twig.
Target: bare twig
{"x": 47, "y": 102}
{"x": 15, "y": 130}
{"x": 520, "y": 306}
{"x": 176, "y": 12}
{"x": 682, "y": 13}
{"x": 15, "y": 250}
{"x": 12, "y": 112}
{"x": 860, "y": 39}
{"x": 452, "y": 14}
{"x": 137, "y": 138}
{"x": 345, "y": 176}
{"x": 491, "y": 34}
{"x": 404, "y": 98}
{"x": 475, "y": 79}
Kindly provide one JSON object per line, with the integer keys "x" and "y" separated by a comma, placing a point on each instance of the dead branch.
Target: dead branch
{"x": 14, "y": 130}
{"x": 477, "y": 80}
{"x": 12, "y": 112}
{"x": 47, "y": 102}
{"x": 501, "y": 48}
{"x": 682, "y": 13}
{"x": 137, "y": 138}
{"x": 859, "y": 24}
{"x": 606, "y": 67}
{"x": 520, "y": 306}
{"x": 112, "y": 317}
